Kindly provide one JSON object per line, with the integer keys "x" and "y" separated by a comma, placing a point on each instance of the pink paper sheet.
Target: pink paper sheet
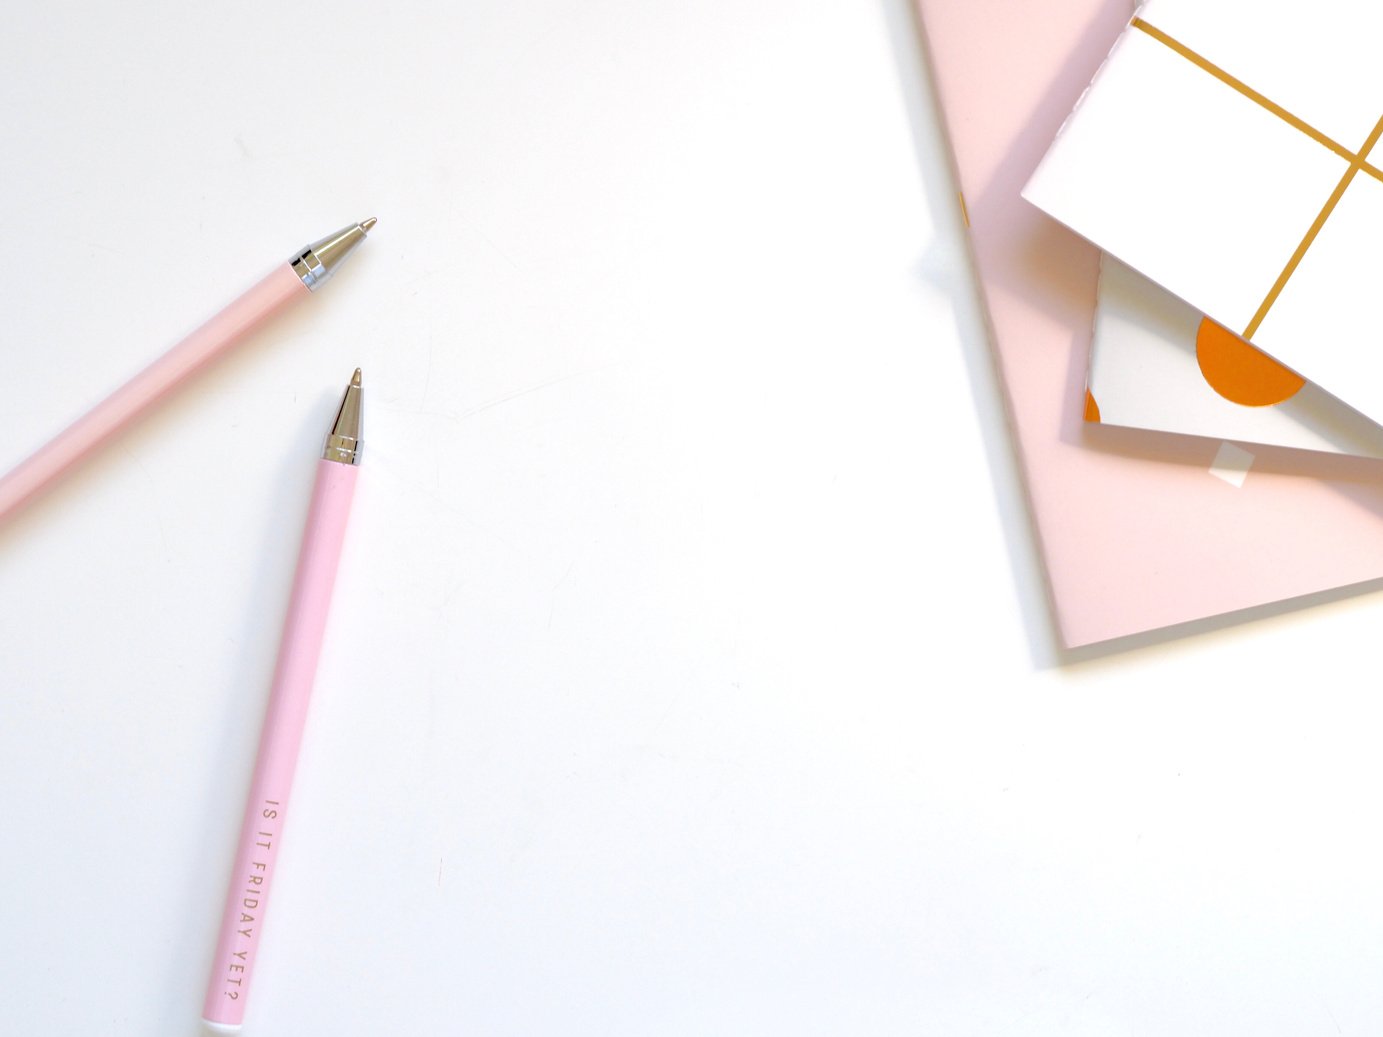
{"x": 1135, "y": 532}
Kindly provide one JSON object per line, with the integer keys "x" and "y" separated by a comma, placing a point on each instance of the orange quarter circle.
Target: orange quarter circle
{"x": 1239, "y": 372}
{"x": 1092, "y": 409}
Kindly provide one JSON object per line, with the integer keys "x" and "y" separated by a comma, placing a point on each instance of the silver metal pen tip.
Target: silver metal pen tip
{"x": 343, "y": 441}
{"x": 367, "y": 225}
{"x": 318, "y": 261}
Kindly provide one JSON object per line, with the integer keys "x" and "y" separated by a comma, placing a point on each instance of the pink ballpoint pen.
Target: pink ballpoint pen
{"x": 291, "y": 282}
{"x": 262, "y": 827}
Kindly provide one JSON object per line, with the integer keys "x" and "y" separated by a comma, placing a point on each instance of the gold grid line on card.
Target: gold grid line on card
{"x": 1357, "y": 161}
{"x": 1306, "y": 242}
{"x": 1254, "y": 96}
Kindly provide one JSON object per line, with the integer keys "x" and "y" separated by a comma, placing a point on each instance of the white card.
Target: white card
{"x": 1246, "y": 130}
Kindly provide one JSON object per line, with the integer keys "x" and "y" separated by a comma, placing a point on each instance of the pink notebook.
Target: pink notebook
{"x": 1136, "y": 531}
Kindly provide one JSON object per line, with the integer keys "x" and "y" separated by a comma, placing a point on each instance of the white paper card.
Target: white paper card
{"x": 1248, "y": 130}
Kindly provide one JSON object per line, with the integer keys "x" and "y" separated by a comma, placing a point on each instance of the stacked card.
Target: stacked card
{"x": 1221, "y": 158}
{"x": 1222, "y": 154}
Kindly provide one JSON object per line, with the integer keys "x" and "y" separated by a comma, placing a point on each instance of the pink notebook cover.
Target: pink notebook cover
{"x": 1135, "y": 531}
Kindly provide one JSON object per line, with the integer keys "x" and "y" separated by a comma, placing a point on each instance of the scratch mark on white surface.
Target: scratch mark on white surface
{"x": 439, "y": 872}
{"x": 517, "y": 393}
{"x": 153, "y": 488}
{"x": 427, "y": 378}
{"x": 454, "y": 587}
{"x": 671, "y": 706}
{"x": 1332, "y": 1015}
{"x": 1231, "y": 464}
{"x": 98, "y": 245}
{"x": 489, "y": 241}
{"x": 552, "y": 601}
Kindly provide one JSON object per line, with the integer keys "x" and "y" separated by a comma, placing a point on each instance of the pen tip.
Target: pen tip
{"x": 355, "y": 378}
{"x": 365, "y": 225}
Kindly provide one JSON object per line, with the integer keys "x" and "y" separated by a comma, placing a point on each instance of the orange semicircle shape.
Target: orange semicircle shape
{"x": 1239, "y": 372}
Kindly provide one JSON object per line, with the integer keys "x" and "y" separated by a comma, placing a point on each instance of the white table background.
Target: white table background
{"x": 689, "y": 671}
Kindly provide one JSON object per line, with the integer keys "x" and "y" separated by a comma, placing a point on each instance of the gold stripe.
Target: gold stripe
{"x": 1257, "y": 98}
{"x": 964, "y": 210}
{"x": 1306, "y": 242}
{"x": 1357, "y": 163}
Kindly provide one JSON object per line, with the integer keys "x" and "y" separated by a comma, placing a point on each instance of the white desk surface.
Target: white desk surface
{"x": 689, "y": 672}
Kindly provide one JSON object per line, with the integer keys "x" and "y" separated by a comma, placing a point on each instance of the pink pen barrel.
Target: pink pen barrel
{"x": 253, "y": 871}
{"x": 224, "y": 330}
